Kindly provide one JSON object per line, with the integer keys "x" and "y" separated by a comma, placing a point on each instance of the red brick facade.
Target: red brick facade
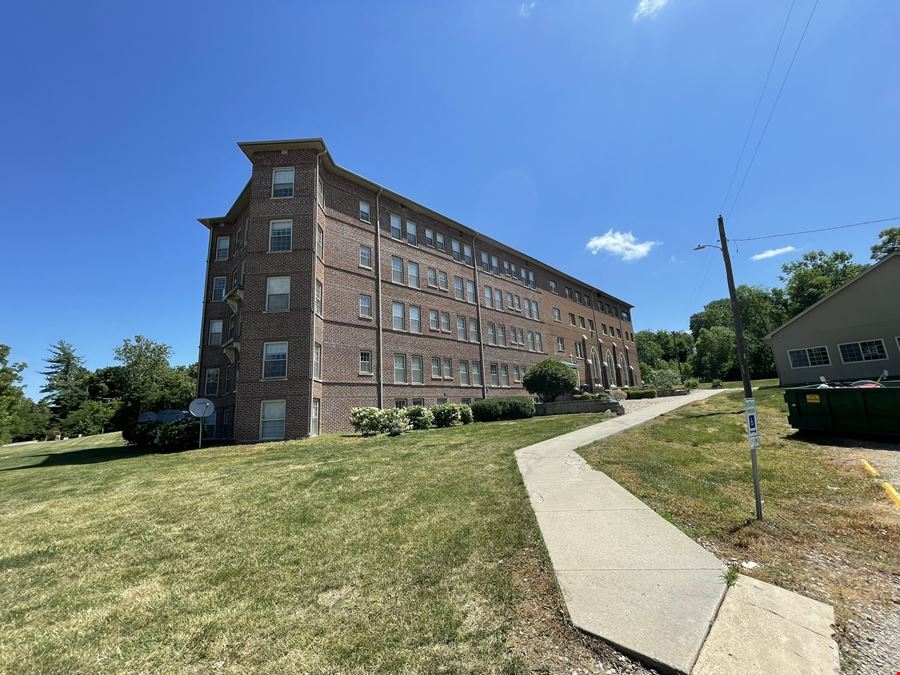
{"x": 599, "y": 344}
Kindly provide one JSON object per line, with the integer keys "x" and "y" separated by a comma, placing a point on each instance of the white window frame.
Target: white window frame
{"x": 317, "y": 361}
{"x": 221, "y": 332}
{"x": 368, "y": 249}
{"x": 266, "y": 346}
{"x": 415, "y": 324}
{"x": 371, "y": 369}
{"x": 412, "y": 229}
{"x": 859, "y": 344}
{"x": 290, "y": 227}
{"x": 319, "y": 298}
{"x": 399, "y": 221}
{"x": 315, "y": 417}
{"x": 416, "y": 358}
{"x": 402, "y": 357}
{"x": 227, "y": 239}
{"x": 282, "y": 419}
{"x": 410, "y": 277}
{"x": 269, "y": 294}
{"x": 397, "y": 275}
{"x": 213, "y": 297}
{"x": 435, "y": 367}
{"x": 210, "y": 371}
{"x": 367, "y": 211}
{"x": 394, "y": 316}
{"x": 293, "y": 182}
{"x": 808, "y": 360}
{"x": 362, "y": 314}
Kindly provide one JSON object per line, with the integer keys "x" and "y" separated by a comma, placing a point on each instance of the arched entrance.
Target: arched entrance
{"x": 596, "y": 373}
{"x": 611, "y": 369}
{"x": 623, "y": 371}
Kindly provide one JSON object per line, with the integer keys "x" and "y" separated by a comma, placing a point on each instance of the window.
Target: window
{"x": 432, "y": 319}
{"x": 619, "y": 332}
{"x": 506, "y": 267}
{"x": 867, "y": 350}
{"x": 495, "y": 375}
{"x": 412, "y": 274}
{"x": 501, "y": 335}
{"x": 314, "y": 417}
{"x": 571, "y": 318}
{"x": 365, "y": 362}
{"x": 218, "y": 289}
{"x": 504, "y": 375}
{"x": 412, "y": 237}
{"x": 397, "y": 311}
{"x": 280, "y": 235}
{"x": 495, "y": 265}
{"x": 470, "y": 292}
{"x": 442, "y": 281}
{"x": 318, "y": 298}
{"x": 603, "y": 327}
{"x": 458, "y": 291}
{"x": 488, "y": 296}
{"x": 531, "y": 346}
{"x": 400, "y": 368}
{"x": 556, "y": 314}
{"x": 278, "y": 294}
{"x": 578, "y": 296}
{"x": 320, "y": 242}
{"x": 317, "y": 361}
{"x": 517, "y": 374}
{"x": 283, "y": 182}
{"x": 579, "y": 350}
{"x": 521, "y": 337}
{"x": 211, "y": 384}
{"x": 485, "y": 261}
{"x": 399, "y": 402}
{"x": 591, "y": 326}
{"x": 476, "y": 372}
{"x": 464, "y": 373}
{"x": 491, "y": 334}
{"x": 448, "y": 369}
{"x": 809, "y": 357}
{"x": 275, "y": 360}
{"x": 560, "y": 345}
{"x": 467, "y": 255}
{"x": 396, "y": 269}
{"x": 553, "y": 287}
{"x": 531, "y": 278}
{"x": 510, "y": 303}
{"x": 440, "y": 244}
{"x": 215, "y": 332}
{"x": 568, "y": 293}
{"x": 365, "y": 256}
{"x": 527, "y": 304}
{"x": 445, "y": 322}
{"x": 415, "y": 319}
{"x": 232, "y": 321}
{"x": 432, "y": 277}
{"x": 396, "y": 227}
{"x": 441, "y": 401}
{"x": 473, "y": 330}
{"x": 229, "y": 379}
{"x": 455, "y": 248}
{"x": 498, "y": 298}
{"x": 538, "y": 341}
{"x": 271, "y": 420}
{"x": 415, "y": 366}
{"x": 222, "y": 247}
{"x": 365, "y": 214}
{"x": 436, "y": 367}
{"x": 429, "y": 237}
{"x": 581, "y": 323}
{"x": 320, "y": 191}
{"x": 461, "y": 328}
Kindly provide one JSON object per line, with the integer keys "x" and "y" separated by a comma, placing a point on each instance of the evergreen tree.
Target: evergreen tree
{"x": 66, "y": 386}
{"x": 11, "y": 394}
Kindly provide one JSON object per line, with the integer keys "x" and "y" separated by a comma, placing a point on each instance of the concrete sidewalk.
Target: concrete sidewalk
{"x": 627, "y": 575}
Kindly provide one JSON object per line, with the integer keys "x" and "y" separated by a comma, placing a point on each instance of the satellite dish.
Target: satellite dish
{"x": 201, "y": 407}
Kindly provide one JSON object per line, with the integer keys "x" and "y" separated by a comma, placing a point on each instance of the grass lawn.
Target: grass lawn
{"x": 829, "y": 531}
{"x": 336, "y": 554}
{"x": 738, "y": 384}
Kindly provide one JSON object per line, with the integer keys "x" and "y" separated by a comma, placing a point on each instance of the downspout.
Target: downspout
{"x": 203, "y": 314}
{"x": 379, "y": 338}
{"x": 484, "y": 368}
{"x": 312, "y": 297}
{"x": 596, "y": 339}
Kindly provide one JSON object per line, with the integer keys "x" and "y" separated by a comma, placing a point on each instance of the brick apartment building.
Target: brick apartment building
{"x": 325, "y": 291}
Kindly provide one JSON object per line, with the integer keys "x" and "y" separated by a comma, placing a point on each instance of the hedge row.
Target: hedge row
{"x": 171, "y": 436}
{"x": 649, "y": 392}
{"x": 394, "y": 421}
{"x": 503, "y": 408}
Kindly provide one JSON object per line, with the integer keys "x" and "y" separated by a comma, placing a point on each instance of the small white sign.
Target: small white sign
{"x": 752, "y": 423}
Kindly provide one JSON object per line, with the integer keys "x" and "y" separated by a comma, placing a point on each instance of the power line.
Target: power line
{"x": 774, "y": 106}
{"x": 820, "y": 229}
{"x": 759, "y": 100}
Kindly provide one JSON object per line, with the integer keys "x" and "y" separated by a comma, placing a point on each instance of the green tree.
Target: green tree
{"x": 31, "y": 421}
{"x": 66, "y": 385}
{"x": 549, "y": 378}
{"x": 92, "y": 417}
{"x": 716, "y": 353}
{"x": 11, "y": 394}
{"x": 888, "y": 242}
{"x": 649, "y": 351}
{"x": 145, "y": 371}
{"x": 815, "y": 275}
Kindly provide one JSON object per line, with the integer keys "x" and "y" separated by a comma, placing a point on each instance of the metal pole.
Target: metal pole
{"x": 749, "y": 403}
{"x": 200, "y": 439}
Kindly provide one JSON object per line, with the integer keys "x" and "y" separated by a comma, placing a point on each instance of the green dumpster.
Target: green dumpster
{"x": 845, "y": 409}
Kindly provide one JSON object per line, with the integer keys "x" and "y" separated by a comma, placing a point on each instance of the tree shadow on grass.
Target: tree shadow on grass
{"x": 689, "y": 416}
{"x": 85, "y": 456}
{"x": 848, "y": 441}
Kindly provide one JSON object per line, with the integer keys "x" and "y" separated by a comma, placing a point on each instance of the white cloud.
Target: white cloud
{"x": 526, "y": 8}
{"x": 622, "y": 244}
{"x": 772, "y": 252}
{"x": 648, "y": 8}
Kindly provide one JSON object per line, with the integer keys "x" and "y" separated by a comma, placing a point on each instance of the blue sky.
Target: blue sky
{"x": 544, "y": 124}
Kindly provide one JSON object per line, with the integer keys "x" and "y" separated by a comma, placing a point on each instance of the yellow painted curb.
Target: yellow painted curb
{"x": 892, "y": 493}
{"x": 868, "y": 467}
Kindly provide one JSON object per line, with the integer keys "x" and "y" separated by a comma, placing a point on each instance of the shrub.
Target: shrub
{"x": 465, "y": 414}
{"x": 366, "y": 421}
{"x": 691, "y": 383}
{"x": 179, "y": 435}
{"x": 394, "y": 421}
{"x": 601, "y": 396}
{"x": 549, "y": 378}
{"x": 618, "y": 394}
{"x": 717, "y": 383}
{"x": 647, "y": 392}
{"x": 446, "y": 414}
{"x": 581, "y": 397}
{"x": 142, "y": 435}
{"x": 504, "y": 408}
{"x": 663, "y": 378}
{"x": 420, "y": 417}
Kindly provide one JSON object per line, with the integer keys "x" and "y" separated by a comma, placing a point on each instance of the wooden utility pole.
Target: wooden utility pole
{"x": 749, "y": 403}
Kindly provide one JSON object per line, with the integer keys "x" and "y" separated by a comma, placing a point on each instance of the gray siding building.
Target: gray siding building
{"x": 852, "y": 334}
